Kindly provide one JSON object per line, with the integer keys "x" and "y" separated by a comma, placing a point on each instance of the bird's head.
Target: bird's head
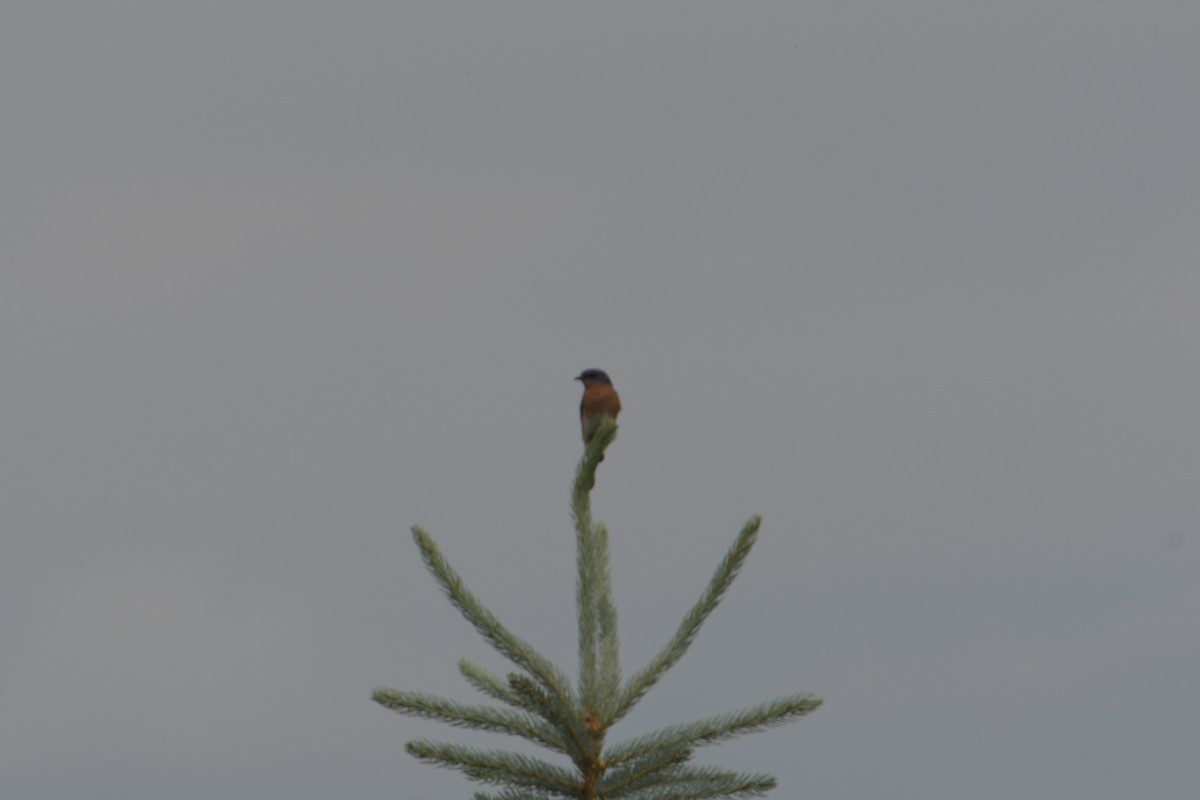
{"x": 593, "y": 376}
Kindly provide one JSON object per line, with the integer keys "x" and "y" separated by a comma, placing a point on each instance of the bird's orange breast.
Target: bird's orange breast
{"x": 600, "y": 400}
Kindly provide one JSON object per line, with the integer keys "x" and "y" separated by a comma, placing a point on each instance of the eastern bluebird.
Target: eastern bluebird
{"x": 600, "y": 401}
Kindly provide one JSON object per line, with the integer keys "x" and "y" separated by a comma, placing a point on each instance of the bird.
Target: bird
{"x": 600, "y": 401}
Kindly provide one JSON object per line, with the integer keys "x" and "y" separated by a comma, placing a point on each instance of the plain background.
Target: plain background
{"x": 917, "y": 281}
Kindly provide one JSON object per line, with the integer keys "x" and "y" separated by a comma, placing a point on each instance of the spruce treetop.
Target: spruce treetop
{"x": 541, "y": 705}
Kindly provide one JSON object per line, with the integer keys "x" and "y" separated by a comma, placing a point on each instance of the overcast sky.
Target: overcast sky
{"x": 917, "y": 281}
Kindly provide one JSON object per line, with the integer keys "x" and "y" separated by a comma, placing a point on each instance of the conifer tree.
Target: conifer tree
{"x": 574, "y": 721}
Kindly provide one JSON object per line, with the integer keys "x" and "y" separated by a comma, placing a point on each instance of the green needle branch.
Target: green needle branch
{"x": 544, "y": 709}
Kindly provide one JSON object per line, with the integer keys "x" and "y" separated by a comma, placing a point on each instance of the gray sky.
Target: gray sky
{"x": 916, "y": 281}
